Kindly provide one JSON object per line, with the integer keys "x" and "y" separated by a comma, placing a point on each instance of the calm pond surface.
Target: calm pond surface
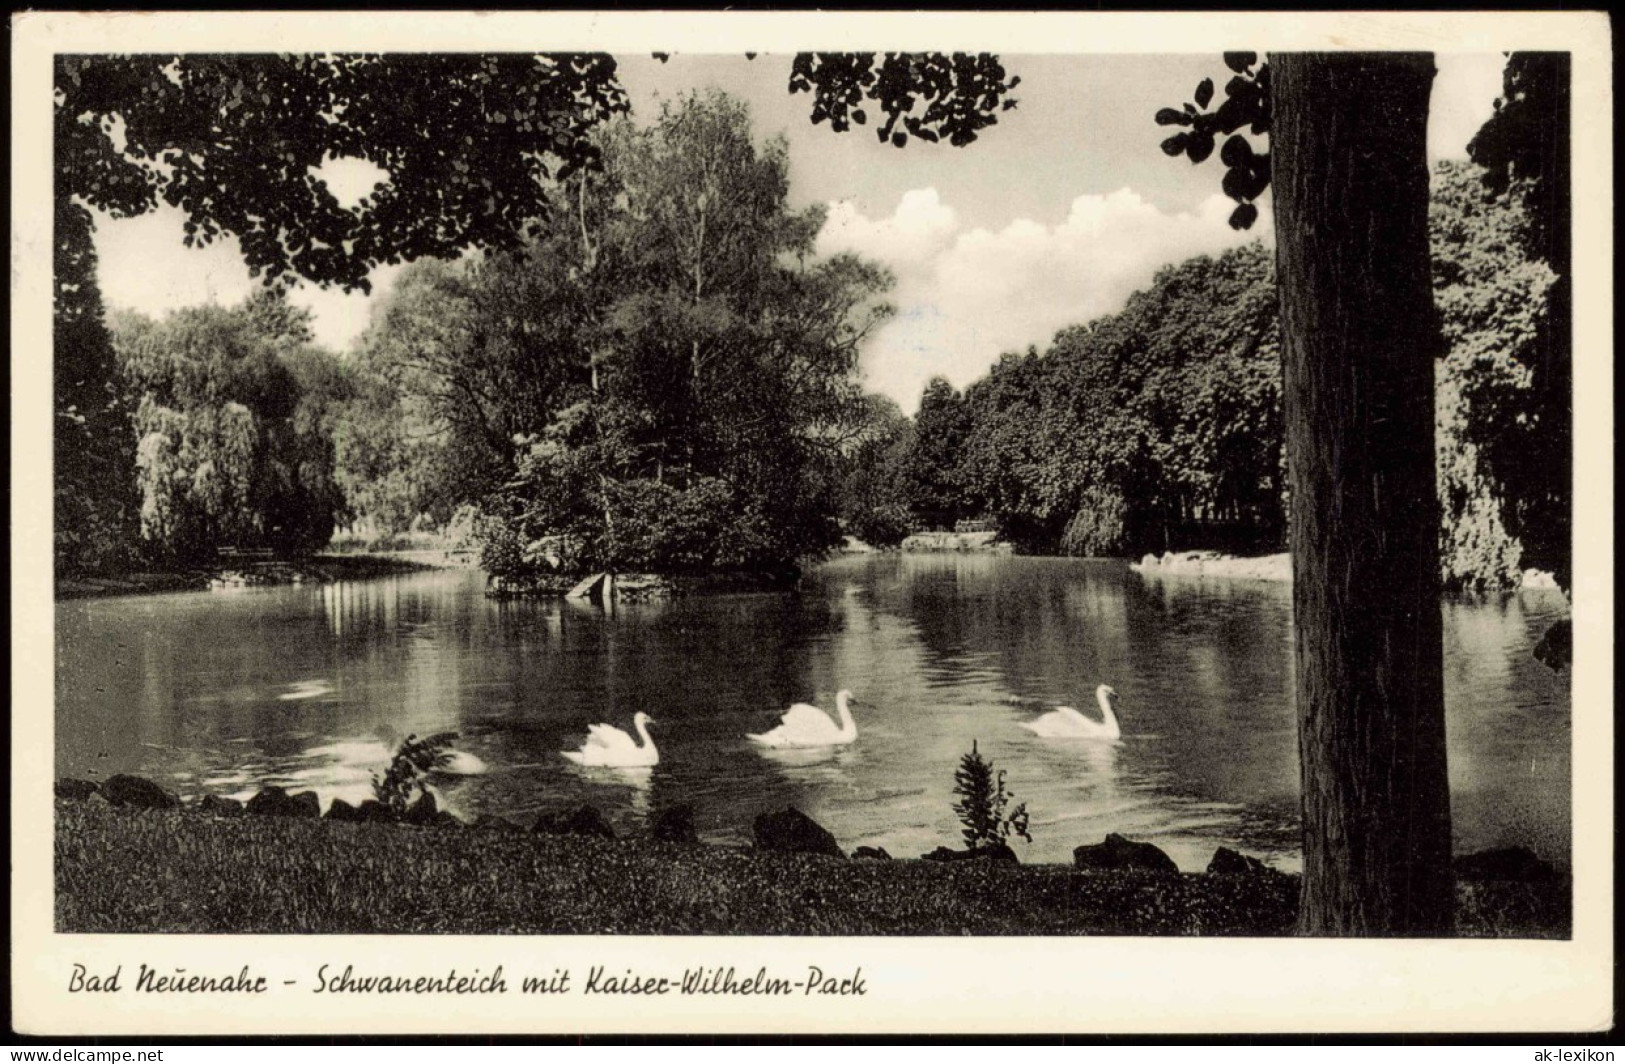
{"x": 312, "y": 687}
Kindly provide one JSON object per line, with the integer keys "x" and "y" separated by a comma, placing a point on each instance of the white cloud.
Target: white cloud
{"x": 1464, "y": 92}
{"x": 921, "y": 227}
{"x": 966, "y": 296}
{"x": 350, "y": 179}
{"x": 146, "y": 266}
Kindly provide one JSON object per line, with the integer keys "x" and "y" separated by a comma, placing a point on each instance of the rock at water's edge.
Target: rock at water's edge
{"x": 586, "y": 820}
{"x": 138, "y": 792}
{"x": 793, "y": 831}
{"x": 75, "y": 790}
{"x": 218, "y": 805}
{"x": 274, "y": 801}
{"x": 1118, "y": 854}
{"x": 675, "y": 825}
{"x": 421, "y": 812}
{"x": 1227, "y": 862}
{"x": 871, "y": 853}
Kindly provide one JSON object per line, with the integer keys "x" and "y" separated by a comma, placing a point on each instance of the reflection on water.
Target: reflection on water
{"x": 314, "y": 687}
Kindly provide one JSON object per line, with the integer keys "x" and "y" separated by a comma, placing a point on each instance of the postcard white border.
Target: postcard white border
{"x": 975, "y": 985}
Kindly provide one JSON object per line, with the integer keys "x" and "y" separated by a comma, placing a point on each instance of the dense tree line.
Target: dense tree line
{"x": 1159, "y": 427}
{"x": 659, "y": 349}
{"x": 1495, "y": 304}
{"x": 1524, "y": 149}
{"x": 663, "y": 377}
{"x": 658, "y": 374}
{"x": 1155, "y": 426}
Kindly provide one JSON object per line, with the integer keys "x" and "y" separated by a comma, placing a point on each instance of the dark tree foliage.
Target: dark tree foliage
{"x": 1524, "y": 148}
{"x": 235, "y": 413}
{"x": 1016, "y": 472}
{"x": 1155, "y": 427}
{"x": 663, "y": 377}
{"x": 1246, "y": 106}
{"x": 95, "y": 501}
{"x": 874, "y": 494}
{"x": 932, "y": 481}
{"x": 933, "y": 96}
{"x": 469, "y": 144}
{"x": 1159, "y": 426}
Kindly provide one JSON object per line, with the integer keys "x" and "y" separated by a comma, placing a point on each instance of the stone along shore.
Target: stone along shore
{"x": 130, "y": 857}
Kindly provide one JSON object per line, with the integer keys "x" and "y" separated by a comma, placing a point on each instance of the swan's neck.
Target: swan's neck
{"x": 848, "y": 725}
{"x": 643, "y": 731}
{"x": 1106, "y": 713}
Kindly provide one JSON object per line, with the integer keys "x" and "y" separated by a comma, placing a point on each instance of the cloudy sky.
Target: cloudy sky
{"x": 1052, "y": 217}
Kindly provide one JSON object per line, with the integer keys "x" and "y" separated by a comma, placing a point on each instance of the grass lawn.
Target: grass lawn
{"x": 120, "y": 870}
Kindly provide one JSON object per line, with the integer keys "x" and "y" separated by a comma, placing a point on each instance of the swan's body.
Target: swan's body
{"x": 306, "y": 689}
{"x": 1067, "y": 723}
{"x": 612, "y": 747}
{"x": 805, "y": 726}
{"x": 460, "y": 763}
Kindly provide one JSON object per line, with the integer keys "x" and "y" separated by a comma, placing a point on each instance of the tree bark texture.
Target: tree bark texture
{"x": 1360, "y": 336}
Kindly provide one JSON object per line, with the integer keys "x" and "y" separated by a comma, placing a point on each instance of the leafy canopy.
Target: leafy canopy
{"x": 1246, "y": 106}
{"x": 470, "y": 145}
{"x": 933, "y": 96}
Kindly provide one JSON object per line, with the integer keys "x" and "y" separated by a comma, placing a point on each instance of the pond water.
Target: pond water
{"x": 313, "y": 686}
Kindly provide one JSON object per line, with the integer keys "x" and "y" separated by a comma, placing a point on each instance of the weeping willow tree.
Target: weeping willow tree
{"x": 233, "y": 419}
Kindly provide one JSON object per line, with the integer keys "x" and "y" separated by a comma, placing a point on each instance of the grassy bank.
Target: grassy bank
{"x": 119, "y": 870}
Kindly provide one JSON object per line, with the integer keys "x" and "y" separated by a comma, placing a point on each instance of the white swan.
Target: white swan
{"x": 1067, "y": 723}
{"x": 806, "y": 725}
{"x": 612, "y": 747}
{"x": 460, "y": 763}
{"x": 304, "y": 689}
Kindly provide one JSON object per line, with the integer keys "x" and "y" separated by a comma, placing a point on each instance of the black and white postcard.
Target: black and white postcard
{"x": 541, "y": 523}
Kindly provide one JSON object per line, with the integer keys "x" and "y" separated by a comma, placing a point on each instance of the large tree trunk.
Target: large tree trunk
{"x": 1360, "y": 337}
